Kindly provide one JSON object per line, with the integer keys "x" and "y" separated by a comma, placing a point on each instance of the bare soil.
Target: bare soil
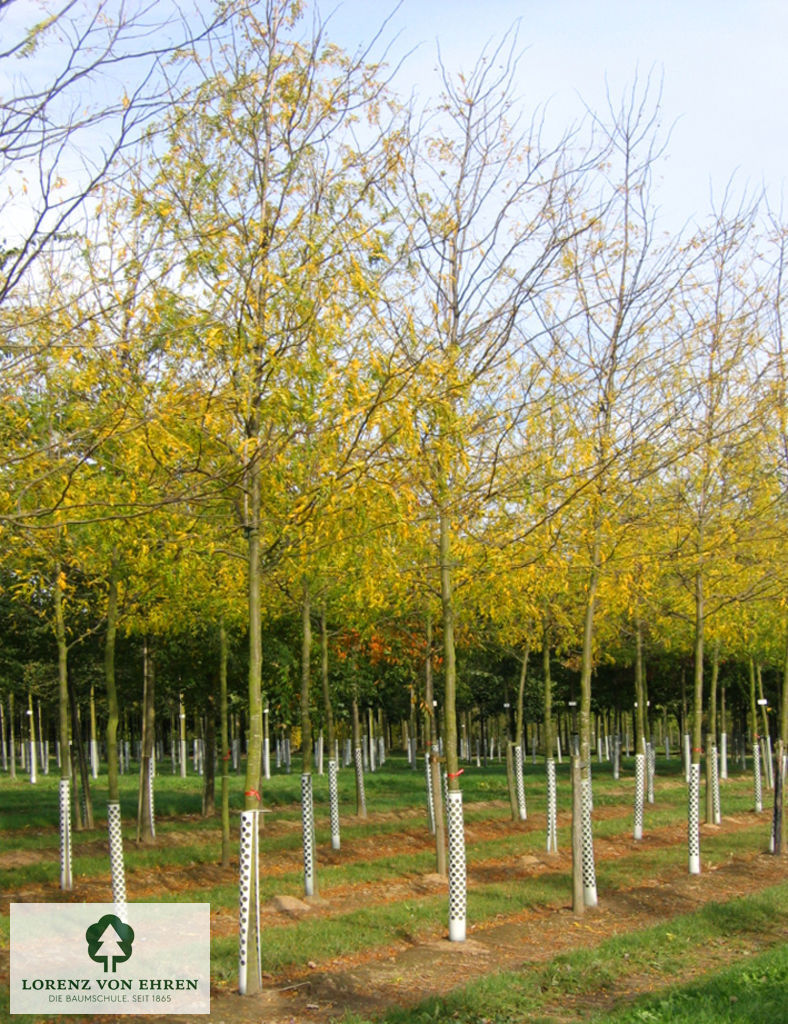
{"x": 411, "y": 968}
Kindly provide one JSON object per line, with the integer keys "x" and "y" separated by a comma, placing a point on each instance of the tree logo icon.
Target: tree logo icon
{"x": 109, "y": 941}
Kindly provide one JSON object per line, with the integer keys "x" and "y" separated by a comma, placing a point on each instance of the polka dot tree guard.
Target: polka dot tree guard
{"x": 552, "y": 832}
{"x": 756, "y": 767}
{"x": 589, "y": 871}
{"x": 715, "y": 786}
{"x": 457, "y": 881}
{"x": 362, "y": 797}
{"x": 308, "y": 833}
{"x": 66, "y": 879}
{"x": 519, "y": 782}
{"x": 249, "y": 880}
{"x": 693, "y": 819}
{"x": 333, "y": 802}
{"x": 430, "y": 797}
{"x": 640, "y": 780}
{"x": 116, "y": 859}
{"x": 151, "y": 777}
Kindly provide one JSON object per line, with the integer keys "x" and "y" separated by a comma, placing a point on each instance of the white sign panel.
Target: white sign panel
{"x": 85, "y": 958}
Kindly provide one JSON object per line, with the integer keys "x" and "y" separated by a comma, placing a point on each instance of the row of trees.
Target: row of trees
{"x": 396, "y": 370}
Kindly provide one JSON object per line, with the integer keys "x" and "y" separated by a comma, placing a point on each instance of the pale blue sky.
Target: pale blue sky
{"x": 724, "y": 65}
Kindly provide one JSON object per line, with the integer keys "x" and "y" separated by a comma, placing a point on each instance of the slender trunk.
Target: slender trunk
{"x": 224, "y": 745}
{"x": 307, "y": 812}
{"x": 117, "y": 868}
{"x": 358, "y": 761}
{"x": 329, "y": 713}
{"x": 711, "y": 735}
{"x": 433, "y": 755}
{"x": 640, "y": 729}
{"x": 209, "y": 759}
{"x": 66, "y": 877}
{"x": 12, "y": 734}
{"x": 586, "y": 837}
{"x": 146, "y": 823}
{"x": 249, "y": 971}
{"x": 456, "y": 827}
{"x": 693, "y": 795}
{"x": 83, "y": 804}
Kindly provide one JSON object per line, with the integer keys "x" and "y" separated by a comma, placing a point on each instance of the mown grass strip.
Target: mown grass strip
{"x": 679, "y": 945}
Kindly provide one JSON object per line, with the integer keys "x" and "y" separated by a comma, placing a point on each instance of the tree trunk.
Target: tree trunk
{"x": 224, "y": 745}
{"x": 693, "y": 793}
{"x": 456, "y": 828}
{"x": 114, "y": 827}
{"x": 433, "y": 755}
{"x": 146, "y": 821}
{"x": 586, "y": 837}
{"x": 66, "y": 877}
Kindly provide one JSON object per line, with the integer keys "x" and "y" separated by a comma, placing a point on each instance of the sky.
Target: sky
{"x": 722, "y": 64}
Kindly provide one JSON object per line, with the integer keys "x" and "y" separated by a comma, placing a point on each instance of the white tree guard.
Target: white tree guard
{"x": 687, "y": 757}
{"x": 651, "y": 763}
{"x": 267, "y": 757}
{"x": 381, "y": 751}
{"x": 319, "y": 754}
{"x": 457, "y": 879}
{"x": 667, "y": 747}
{"x": 249, "y": 882}
{"x": 66, "y": 878}
{"x": 558, "y": 748}
{"x": 693, "y": 819}
{"x": 552, "y": 830}
{"x": 94, "y": 758}
{"x": 117, "y": 871}
{"x": 617, "y": 757}
{"x": 372, "y": 752}
{"x": 151, "y": 801}
{"x": 32, "y": 762}
{"x": 362, "y": 796}
{"x": 599, "y": 749}
{"x": 430, "y": 796}
{"x": 333, "y": 803}
{"x": 723, "y": 755}
{"x": 640, "y": 783}
{"x": 520, "y": 782}
{"x": 348, "y": 755}
{"x": 45, "y": 756}
{"x": 182, "y": 758}
{"x": 756, "y": 767}
{"x": 715, "y": 786}
{"x": 308, "y": 833}
{"x": 589, "y": 870}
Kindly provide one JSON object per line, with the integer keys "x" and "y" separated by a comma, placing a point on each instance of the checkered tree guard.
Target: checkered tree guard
{"x": 552, "y": 834}
{"x": 151, "y": 810}
{"x": 693, "y": 819}
{"x": 756, "y": 767}
{"x": 66, "y": 878}
{"x": 116, "y": 859}
{"x": 333, "y": 803}
{"x": 589, "y": 871}
{"x": 640, "y": 771}
{"x": 520, "y": 782}
{"x": 715, "y": 786}
{"x": 457, "y": 880}
{"x": 249, "y": 879}
{"x": 308, "y": 833}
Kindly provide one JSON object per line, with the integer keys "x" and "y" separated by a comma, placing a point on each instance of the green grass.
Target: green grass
{"x": 395, "y": 798}
{"x": 751, "y": 991}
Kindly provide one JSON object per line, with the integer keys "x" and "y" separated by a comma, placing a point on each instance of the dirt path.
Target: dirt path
{"x": 409, "y": 969}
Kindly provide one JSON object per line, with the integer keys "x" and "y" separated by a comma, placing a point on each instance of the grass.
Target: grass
{"x": 395, "y": 798}
{"x": 751, "y": 991}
